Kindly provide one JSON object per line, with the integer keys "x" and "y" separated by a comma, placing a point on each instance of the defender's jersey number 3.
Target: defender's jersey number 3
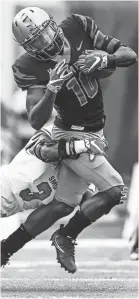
{"x": 83, "y": 88}
{"x": 44, "y": 191}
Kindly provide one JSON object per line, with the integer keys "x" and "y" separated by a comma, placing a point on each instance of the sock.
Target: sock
{"x": 75, "y": 225}
{"x": 17, "y": 240}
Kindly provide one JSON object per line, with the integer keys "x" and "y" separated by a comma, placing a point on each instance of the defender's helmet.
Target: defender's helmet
{"x": 36, "y": 31}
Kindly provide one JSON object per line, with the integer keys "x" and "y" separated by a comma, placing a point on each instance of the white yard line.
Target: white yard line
{"x": 27, "y": 264}
{"x": 64, "y": 297}
{"x": 108, "y": 271}
{"x": 82, "y": 243}
{"x": 72, "y": 279}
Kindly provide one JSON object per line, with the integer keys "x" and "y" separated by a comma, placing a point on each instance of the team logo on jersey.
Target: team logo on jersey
{"x": 79, "y": 47}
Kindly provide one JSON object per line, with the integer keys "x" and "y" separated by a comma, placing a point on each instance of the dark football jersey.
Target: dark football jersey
{"x": 79, "y": 102}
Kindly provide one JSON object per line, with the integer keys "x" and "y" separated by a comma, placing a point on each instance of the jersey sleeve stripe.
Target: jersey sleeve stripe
{"x": 82, "y": 20}
{"x": 91, "y": 27}
{"x": 98, "y": 40}
{"x": 107, "y": 41}
{"x": 33, "y": 140}
{"x": 94, "y": 31}
{"x": 90, "y": 24}
{"x": 46, "y": 132}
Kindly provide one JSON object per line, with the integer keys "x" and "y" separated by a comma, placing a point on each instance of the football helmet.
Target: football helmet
{"x": 36, "y": 31}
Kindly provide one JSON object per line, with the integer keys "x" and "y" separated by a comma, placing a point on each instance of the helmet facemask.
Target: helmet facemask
{"x": 45, "y": 41}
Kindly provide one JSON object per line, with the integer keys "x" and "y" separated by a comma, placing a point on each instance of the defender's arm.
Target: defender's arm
{"x": 48, "y": 150}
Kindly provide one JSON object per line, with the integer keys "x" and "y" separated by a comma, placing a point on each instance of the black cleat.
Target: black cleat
{"x": 4, "y": 255}
{"x": 65, "y": 248}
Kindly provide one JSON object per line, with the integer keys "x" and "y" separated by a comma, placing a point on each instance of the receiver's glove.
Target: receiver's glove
{"x": 92, "y": 60}
{"x": 59, "y": 75}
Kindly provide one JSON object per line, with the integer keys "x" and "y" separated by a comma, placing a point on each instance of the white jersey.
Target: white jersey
{"x": 27, "y": 182}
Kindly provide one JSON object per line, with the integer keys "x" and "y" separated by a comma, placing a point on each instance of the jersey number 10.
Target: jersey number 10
{"x": 83, "y": 88}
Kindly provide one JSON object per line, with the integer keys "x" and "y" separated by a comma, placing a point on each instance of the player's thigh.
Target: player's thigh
{"x": 99, "y": 171}
{"x": 71, "y": 186}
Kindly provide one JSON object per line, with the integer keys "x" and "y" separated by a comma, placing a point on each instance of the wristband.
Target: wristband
{"x": 111, "y": 61}
{"x": 54, "y": 89}
{"x": 104, "y": 61}
{"x": 62, "y": 148}
{"x": 67, "y": 148}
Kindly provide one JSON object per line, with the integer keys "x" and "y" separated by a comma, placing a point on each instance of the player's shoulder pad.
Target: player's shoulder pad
{"x": 86, "y": 23}
{"x": 70, "y": 25}
{"x": 29, "y": 71}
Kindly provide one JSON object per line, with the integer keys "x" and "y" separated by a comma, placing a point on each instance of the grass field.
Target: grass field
{"x": 104, "y": 271}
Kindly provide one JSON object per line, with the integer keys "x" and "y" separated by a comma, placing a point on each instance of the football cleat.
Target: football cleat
{"x": 4, "y": 255}
{"x": 65, "y": 249}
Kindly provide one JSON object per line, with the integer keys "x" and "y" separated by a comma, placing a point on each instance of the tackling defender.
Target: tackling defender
{"x": 27, "y": 183}
{"x": 63, "y": 70}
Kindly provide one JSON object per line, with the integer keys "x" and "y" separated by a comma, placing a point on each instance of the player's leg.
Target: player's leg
{"x": 37, "y": 222}
{"x": 112, "y": 192}
{"x": 45, "y": 216}
{"x": 71, "y": 191}
{"x": 92, "y": 207}
{"x": 42, "y": 218}
{"x": 98, "y": 171}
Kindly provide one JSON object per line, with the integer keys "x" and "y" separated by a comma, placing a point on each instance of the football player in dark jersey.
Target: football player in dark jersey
{"x": 61, "y": 68}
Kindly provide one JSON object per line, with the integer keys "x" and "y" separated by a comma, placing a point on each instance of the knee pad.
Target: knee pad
{"x": 102, "y": 202}
{"x": 115, "y": 196}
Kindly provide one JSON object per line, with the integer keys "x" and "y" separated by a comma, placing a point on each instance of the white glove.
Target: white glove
{"x": 59, "y": 75}
{"x": 93, "y": 146}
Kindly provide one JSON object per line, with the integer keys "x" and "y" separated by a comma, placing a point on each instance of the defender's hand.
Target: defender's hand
{"x": 59, "y": 75}
{"x": 92, "y": 60}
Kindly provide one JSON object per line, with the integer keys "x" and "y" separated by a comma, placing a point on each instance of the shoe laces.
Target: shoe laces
{"x": 69, "y": 246}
